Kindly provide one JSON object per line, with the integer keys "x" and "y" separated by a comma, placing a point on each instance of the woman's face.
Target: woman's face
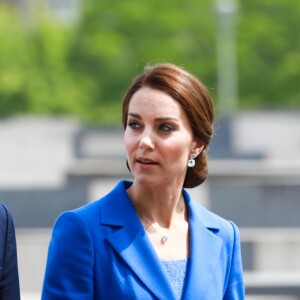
{"x": 158, "y": 138}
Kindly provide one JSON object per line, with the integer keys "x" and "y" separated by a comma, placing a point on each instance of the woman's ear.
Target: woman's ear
{"x": 197, "y": 148}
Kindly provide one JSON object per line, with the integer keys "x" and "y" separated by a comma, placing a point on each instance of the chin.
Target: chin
{"x": 146, "y": 181}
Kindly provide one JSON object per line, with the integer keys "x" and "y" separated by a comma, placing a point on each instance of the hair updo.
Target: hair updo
{"x": 195, "y": 100}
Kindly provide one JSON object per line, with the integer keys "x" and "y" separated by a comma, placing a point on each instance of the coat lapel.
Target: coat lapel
{"x": 205, "y": 248}
{"x": 132, "y": 243}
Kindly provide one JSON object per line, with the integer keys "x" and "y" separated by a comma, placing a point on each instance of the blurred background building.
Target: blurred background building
{"x": 64, "y": 67}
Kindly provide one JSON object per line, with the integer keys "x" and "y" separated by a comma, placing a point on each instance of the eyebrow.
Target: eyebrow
{"x": 135, "y": 115}
{"x": 156, "y": 119}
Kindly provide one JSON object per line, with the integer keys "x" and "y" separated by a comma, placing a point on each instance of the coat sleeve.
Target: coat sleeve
{"x": 9, "y": 277}
{"x": 70, "y": 263}
{"x": 235, "y": 287}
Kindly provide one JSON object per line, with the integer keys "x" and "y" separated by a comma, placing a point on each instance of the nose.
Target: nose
{"x": 146, "y": 142}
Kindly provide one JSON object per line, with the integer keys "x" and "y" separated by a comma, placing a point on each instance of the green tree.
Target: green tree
{"x": 84, "y": 70}
{"x": 13, "y": 60}
{"x": 269, "y": 54}
{"x": 116, "y": 39}
{"x": 35, "y": 73}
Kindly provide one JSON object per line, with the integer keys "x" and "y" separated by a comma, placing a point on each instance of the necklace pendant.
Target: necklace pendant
{"x": 164, "y": 238}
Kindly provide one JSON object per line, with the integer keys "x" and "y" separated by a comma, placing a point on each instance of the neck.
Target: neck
{"x": 158, "y": 205}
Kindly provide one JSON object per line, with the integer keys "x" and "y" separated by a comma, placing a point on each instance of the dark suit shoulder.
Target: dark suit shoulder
{"x": 5, "y": 214}
{"x": 9, "y": 278}
{"x": 3, "y": 235}
{"x": 3, "y": 211}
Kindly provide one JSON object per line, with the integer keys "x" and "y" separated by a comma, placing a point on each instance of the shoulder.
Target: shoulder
{"x": 81, "y": 219}
{"x": 3, "y": 211}
{"x": 221, "y": 227}
{"x": 224, "y": 230}
{"x": 3, "y": 227}
{"x": 214, "y": 220}
{"x": 98, "y": 210}
{"x": 5, "y": 215}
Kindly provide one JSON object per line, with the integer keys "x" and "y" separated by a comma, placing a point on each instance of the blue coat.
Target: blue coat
{"x": 101, "y": 251}
{"x": 9, "y": 278}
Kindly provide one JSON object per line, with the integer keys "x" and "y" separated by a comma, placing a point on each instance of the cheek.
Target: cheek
{"x": 129, "y": 142}
{"x": 126, "y": 144}
{"x": 177, "y": 153}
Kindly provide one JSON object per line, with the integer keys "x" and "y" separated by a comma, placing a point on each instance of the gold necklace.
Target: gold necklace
{"x": 164, "y": 238}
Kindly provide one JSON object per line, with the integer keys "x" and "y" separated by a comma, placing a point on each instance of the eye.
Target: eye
{"x": 166, "y": 127}
{"x": 134, "y": 125}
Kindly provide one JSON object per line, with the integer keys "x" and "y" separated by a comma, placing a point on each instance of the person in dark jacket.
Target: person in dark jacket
{"x": 9, "y": 276}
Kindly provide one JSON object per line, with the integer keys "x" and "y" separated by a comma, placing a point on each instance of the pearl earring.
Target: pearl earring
{"x": 191, "y": 162}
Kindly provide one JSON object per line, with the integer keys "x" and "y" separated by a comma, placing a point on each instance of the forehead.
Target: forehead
{"x": 148, "y": 100}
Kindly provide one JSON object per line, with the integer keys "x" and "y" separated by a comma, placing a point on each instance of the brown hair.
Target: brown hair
{"x": 195, "y": 100}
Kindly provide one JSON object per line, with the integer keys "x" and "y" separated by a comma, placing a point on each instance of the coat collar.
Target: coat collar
{"x": 133, "y": 245}
{"x": 132, "y": 242}
{"x": 205, "y": 248}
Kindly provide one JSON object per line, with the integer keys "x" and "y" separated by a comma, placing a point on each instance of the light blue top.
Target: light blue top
{"x": 176, "y": 271}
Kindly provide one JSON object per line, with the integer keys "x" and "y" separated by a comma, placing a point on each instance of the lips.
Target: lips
{"x": 146, "y": 161}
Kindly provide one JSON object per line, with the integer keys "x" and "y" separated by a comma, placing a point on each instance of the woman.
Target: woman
{"x": 9, "y": 277}
{"x": 147, "y": 239}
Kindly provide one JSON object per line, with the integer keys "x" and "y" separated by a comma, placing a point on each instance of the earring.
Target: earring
{"x": 191, "y": 162}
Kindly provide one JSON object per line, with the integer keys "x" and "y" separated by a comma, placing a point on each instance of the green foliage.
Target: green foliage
{"x": 84, "y": 70}
{"x": 116, "y": 39}
{"x": 12, "y": 61}
{"x": 269, "y": 54}
{"x": 35, "y": 75}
